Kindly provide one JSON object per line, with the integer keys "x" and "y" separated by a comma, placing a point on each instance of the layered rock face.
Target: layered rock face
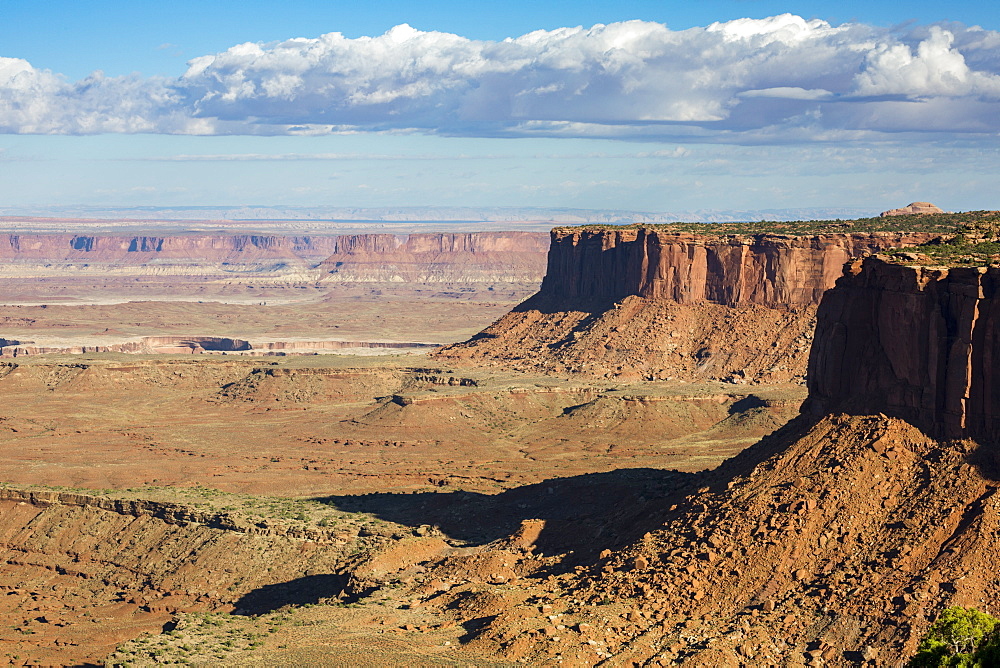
{"x": 194, "y": 345}
{"x": 765, "y": 269}
{"x": 911, "y": 342}
{"x": 658, "y": 304}
{"x": 502, "y": 257}
{"x": 41, "y": 268}
{"x": 141, "y": 249}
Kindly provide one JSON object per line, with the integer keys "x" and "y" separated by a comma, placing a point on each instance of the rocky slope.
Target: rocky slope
{"x": 70, "y": 560}
{"x": 834, "y": 541}
{"x": 661, "y": 304}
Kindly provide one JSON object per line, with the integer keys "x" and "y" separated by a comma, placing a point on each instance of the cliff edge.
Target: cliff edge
{"x": 434, "y": 258}
{"x": 773, "y": 270}
{"x": 652, "y": 303}
{"x": 912, "y": 342}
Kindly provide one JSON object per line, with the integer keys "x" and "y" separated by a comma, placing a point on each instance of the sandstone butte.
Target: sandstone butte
{"x": 913, "y": 207}
{"x": 654, "y": 303}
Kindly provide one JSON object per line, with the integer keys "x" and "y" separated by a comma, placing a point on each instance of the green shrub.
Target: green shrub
{"x": 960, "y": 637}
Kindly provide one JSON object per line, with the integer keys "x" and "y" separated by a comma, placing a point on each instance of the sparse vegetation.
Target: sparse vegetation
{"x": 970, "y": 238}
{"x": 961, "y": 637}
{"x": 942, "y": 223}
{"x": 253, "y": 509}
{"x": 974, "y": 244}
{"x": 199, "y": 638}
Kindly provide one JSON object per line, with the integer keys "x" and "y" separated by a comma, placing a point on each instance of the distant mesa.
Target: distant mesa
{"x": 911, "y": 208}
{"x": 196, "y": 345}
{"x": 460, "y": 258}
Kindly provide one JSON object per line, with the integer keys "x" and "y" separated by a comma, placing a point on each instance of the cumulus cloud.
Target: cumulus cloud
{"x": 783, "y": 78}
{"x": 935, "y": 69}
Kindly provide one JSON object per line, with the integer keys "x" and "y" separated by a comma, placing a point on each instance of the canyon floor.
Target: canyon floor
{"x": 549, "y": 494}
{"x": 350, "y": 457}
{"x": 464, "y": 453}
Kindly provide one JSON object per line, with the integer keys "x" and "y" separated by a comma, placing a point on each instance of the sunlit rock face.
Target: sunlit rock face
{"x": 911, "y": 208}
{"x": 766, "y": 269}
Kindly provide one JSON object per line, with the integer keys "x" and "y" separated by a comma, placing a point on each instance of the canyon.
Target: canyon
{"x": 284, "y": 294}
{"x": 617, "y": 471}
{"x": 227, "y": 261}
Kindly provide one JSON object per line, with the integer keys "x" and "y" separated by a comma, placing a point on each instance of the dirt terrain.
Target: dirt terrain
{"x": 629, "y": 486}
{"x": 362, "y": 319}
{"x": 383, "y": 437}
{"x": 336, "y": 425}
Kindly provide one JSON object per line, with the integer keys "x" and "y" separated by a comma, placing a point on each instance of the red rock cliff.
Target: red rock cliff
{"x": 648, "y": 303}
{"x": 140, "y": 249}
{"x": 917, "y": 343}
{"x": 506, "y": 257}
{"x": 765, "y": 269}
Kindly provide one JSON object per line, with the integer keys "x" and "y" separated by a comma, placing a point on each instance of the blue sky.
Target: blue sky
{"x": 840, "y": 104}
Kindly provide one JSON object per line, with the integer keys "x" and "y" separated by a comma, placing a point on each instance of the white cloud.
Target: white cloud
{"x": 788, "y": 93}
{"x": 34, "y": 101}
{"x": 780, "y": 79}
{"x": 937, "y": 69}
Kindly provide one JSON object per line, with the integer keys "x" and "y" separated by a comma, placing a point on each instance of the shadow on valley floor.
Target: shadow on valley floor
{"x": 302, "y": 591}
{"x": 582, "y": 514}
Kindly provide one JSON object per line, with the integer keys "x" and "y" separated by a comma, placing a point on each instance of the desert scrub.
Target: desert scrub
{"x": 939, "y": 223}
{"x": 974, "y": 244}
{"x": 199, "y": 638}
{"x": 250, "y": 508}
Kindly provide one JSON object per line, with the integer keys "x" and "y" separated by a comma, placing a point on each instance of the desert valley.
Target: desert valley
{"x": 499, "y": 334}
{"x": 688, "y": 444}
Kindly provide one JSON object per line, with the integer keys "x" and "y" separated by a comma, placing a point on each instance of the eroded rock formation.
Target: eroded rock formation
{"x": 911, "y": 342}
{"x": 139, "y": 249}
{"x": 765, "y": 269}
{"x": 513, "y": 260}
{"x": 196, "y": 345}
{"x": 911, "y": 208}
{"x": 501, "y": 257}
{"x": 642, "y": 302}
